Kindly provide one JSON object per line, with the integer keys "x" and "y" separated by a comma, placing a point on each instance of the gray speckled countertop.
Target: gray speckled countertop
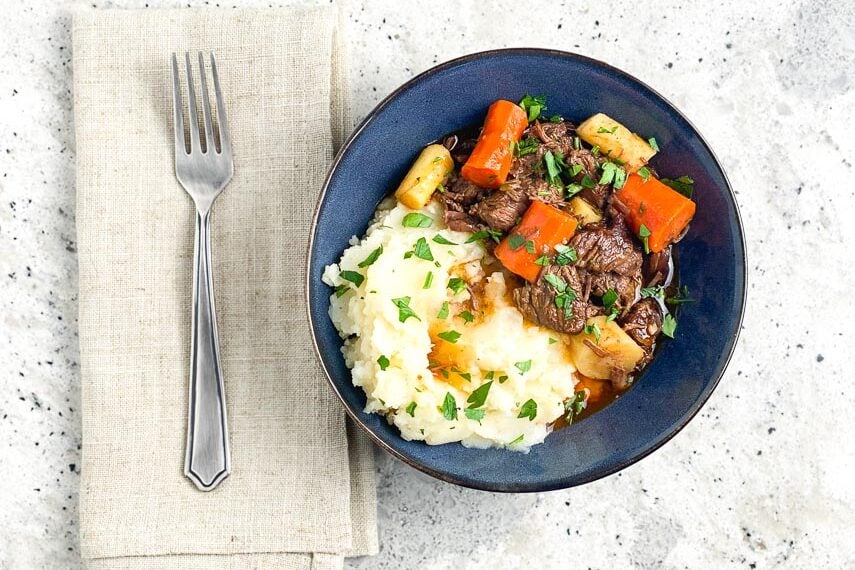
{"x": 762, "y": 478}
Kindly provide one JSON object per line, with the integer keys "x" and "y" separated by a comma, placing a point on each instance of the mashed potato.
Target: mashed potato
{"x": 427, "y": 374}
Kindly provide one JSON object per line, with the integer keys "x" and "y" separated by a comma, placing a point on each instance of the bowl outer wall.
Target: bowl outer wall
{"x": 712, "y": 260}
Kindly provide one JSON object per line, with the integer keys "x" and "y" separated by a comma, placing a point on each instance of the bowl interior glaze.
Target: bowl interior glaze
{"x": 712, "y": 259}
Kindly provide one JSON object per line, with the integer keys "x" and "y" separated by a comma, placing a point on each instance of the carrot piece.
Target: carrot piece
{"x": 663, "y": 211}
{"x": 542, "y": 228}
{"x": 490, "y": 161}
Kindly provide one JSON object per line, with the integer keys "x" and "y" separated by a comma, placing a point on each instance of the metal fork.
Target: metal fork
{"x": 203, "y": 175}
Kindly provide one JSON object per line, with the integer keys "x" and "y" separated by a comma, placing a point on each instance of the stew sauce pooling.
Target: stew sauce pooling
{"x": 565, "y": 222}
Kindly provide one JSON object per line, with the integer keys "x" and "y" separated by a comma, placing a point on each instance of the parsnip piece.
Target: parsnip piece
{"x": 425, "y": 175}
{"x": 615, "y": 352}
{"x": 616, "y": 141}
{"x": 586, "y": 213}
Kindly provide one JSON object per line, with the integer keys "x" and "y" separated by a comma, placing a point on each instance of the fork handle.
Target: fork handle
{"x": 207, "y": 461}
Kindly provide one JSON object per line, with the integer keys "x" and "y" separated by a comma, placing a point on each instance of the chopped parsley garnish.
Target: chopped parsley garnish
{"x": 411, "y": 409}
{"x": 428, "y": 280}
{"x": 566, "y": 294}
{"x": 573, "y": 189}
{"x": 653, "y": 144}
{"x": 644, "y": 172}
{"x": 353, "y": 277}
{"x": 577, "y": 144}
{"x": 620, "y": 178}
{"x": 404, "y": 310}
{"x": 489, "y": 375}
{"x": 485, "y": 234}
{"x": 341, "y": 290}
{"x": 587, "y": 182}
{"x": 526, "y": 146}
{"x": 421, "y": 250}
{"x": 657, "y": 292}
{"x": 478, "y": 396}
{"x": 685, "y": 185}
{"x": 383, "y": 362}
{"x": 552, "y": 340}
{"x": 610, "y": 131}
{"x": 610, "y": 297}
{"x": 613, "y": 174}
{"x": 529, "y": 246}
{"x": 443, "y": 312}
{"x": 466, "y": 316}
{"x": 595, "y": 150}
{"x": 451, "y": 336}
{"x": 533, "y": 106}
{"x": 594, "y": 330}
{"x": 557, "y": 283}
{"x": 543, "y": 260}
{"x": 523, "y": 366}
{"x": 669, "y": 325}
{"x": 681, "y": 297}
{"x": 503, "y": 378}
{"x": 528, "y": 410}
{"x": 416, "y": 220}
{"x": 553, "y": 169}
{"x": 465, "y": 375}
{"x": 516, "y": 241}
{"x": 575, "y": 405}
{"x": 456, "y": 284}
{"x": 449, "y": 407}
{"x": 473, "y": 414}
{"x": 440, "y": 188}
{"x": 575, "y": 169}
{"x": 517, "y": 440}
{"x": 442, "y": 240}
{"x": 644, "y": 234}
{"x": 372, "y": 257}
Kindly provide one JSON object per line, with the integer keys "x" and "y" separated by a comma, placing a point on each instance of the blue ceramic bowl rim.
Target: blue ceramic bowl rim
{"x": 569, "y": 481}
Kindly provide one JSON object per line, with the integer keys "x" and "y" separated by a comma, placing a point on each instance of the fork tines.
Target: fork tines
{"x": 208, "y": 124}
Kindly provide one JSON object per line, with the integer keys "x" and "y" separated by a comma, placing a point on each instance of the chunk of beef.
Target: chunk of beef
{"x": 459, "y": 195}
{"x": 461, "y": 221}
{"x": 535, "y": 188}
{"x": 537, "y": 301}
{"x": 600, "y": 193}
{"x": 502, "y": 208}
{"x": 643, "y": 322}
{"x": 656, "y": 267}
{"x": 462, "y": 192}
{"x": 624, "y": 285}
{"x": 557, "y": 137}
{"x": 461, "y": 144}
{"x": 523, "y": 166}
{"x": 608, "y": 249}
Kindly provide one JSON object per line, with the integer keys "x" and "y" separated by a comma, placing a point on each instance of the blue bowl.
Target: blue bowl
{"x": 711, "y": 260}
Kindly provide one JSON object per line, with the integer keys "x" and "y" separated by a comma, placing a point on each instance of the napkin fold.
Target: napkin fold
{"x": 301, "y": 493}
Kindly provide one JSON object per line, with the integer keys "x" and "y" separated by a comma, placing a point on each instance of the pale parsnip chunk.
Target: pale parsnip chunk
{"x": 586, "y": 213}
{"x": 425, "y": 175}
{"x": 615, "y": 352}
{"x": 616, "y": 141}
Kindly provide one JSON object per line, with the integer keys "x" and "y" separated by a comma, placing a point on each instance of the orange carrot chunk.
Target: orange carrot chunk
{"x": 490, "y": 161}
{"x": 662, "y": 211}
{"x": 542, "y": 228}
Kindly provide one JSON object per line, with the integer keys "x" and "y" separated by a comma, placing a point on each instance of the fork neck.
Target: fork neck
{"x": 203, "y": 206}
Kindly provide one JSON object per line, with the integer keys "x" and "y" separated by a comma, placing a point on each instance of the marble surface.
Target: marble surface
{"x": 762, "y": 478}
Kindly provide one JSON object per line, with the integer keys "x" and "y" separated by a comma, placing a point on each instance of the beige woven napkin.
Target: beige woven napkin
{"x": 301, "y": 493}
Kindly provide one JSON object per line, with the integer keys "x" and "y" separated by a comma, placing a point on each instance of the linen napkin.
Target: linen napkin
{"x": 301, "y": 493}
